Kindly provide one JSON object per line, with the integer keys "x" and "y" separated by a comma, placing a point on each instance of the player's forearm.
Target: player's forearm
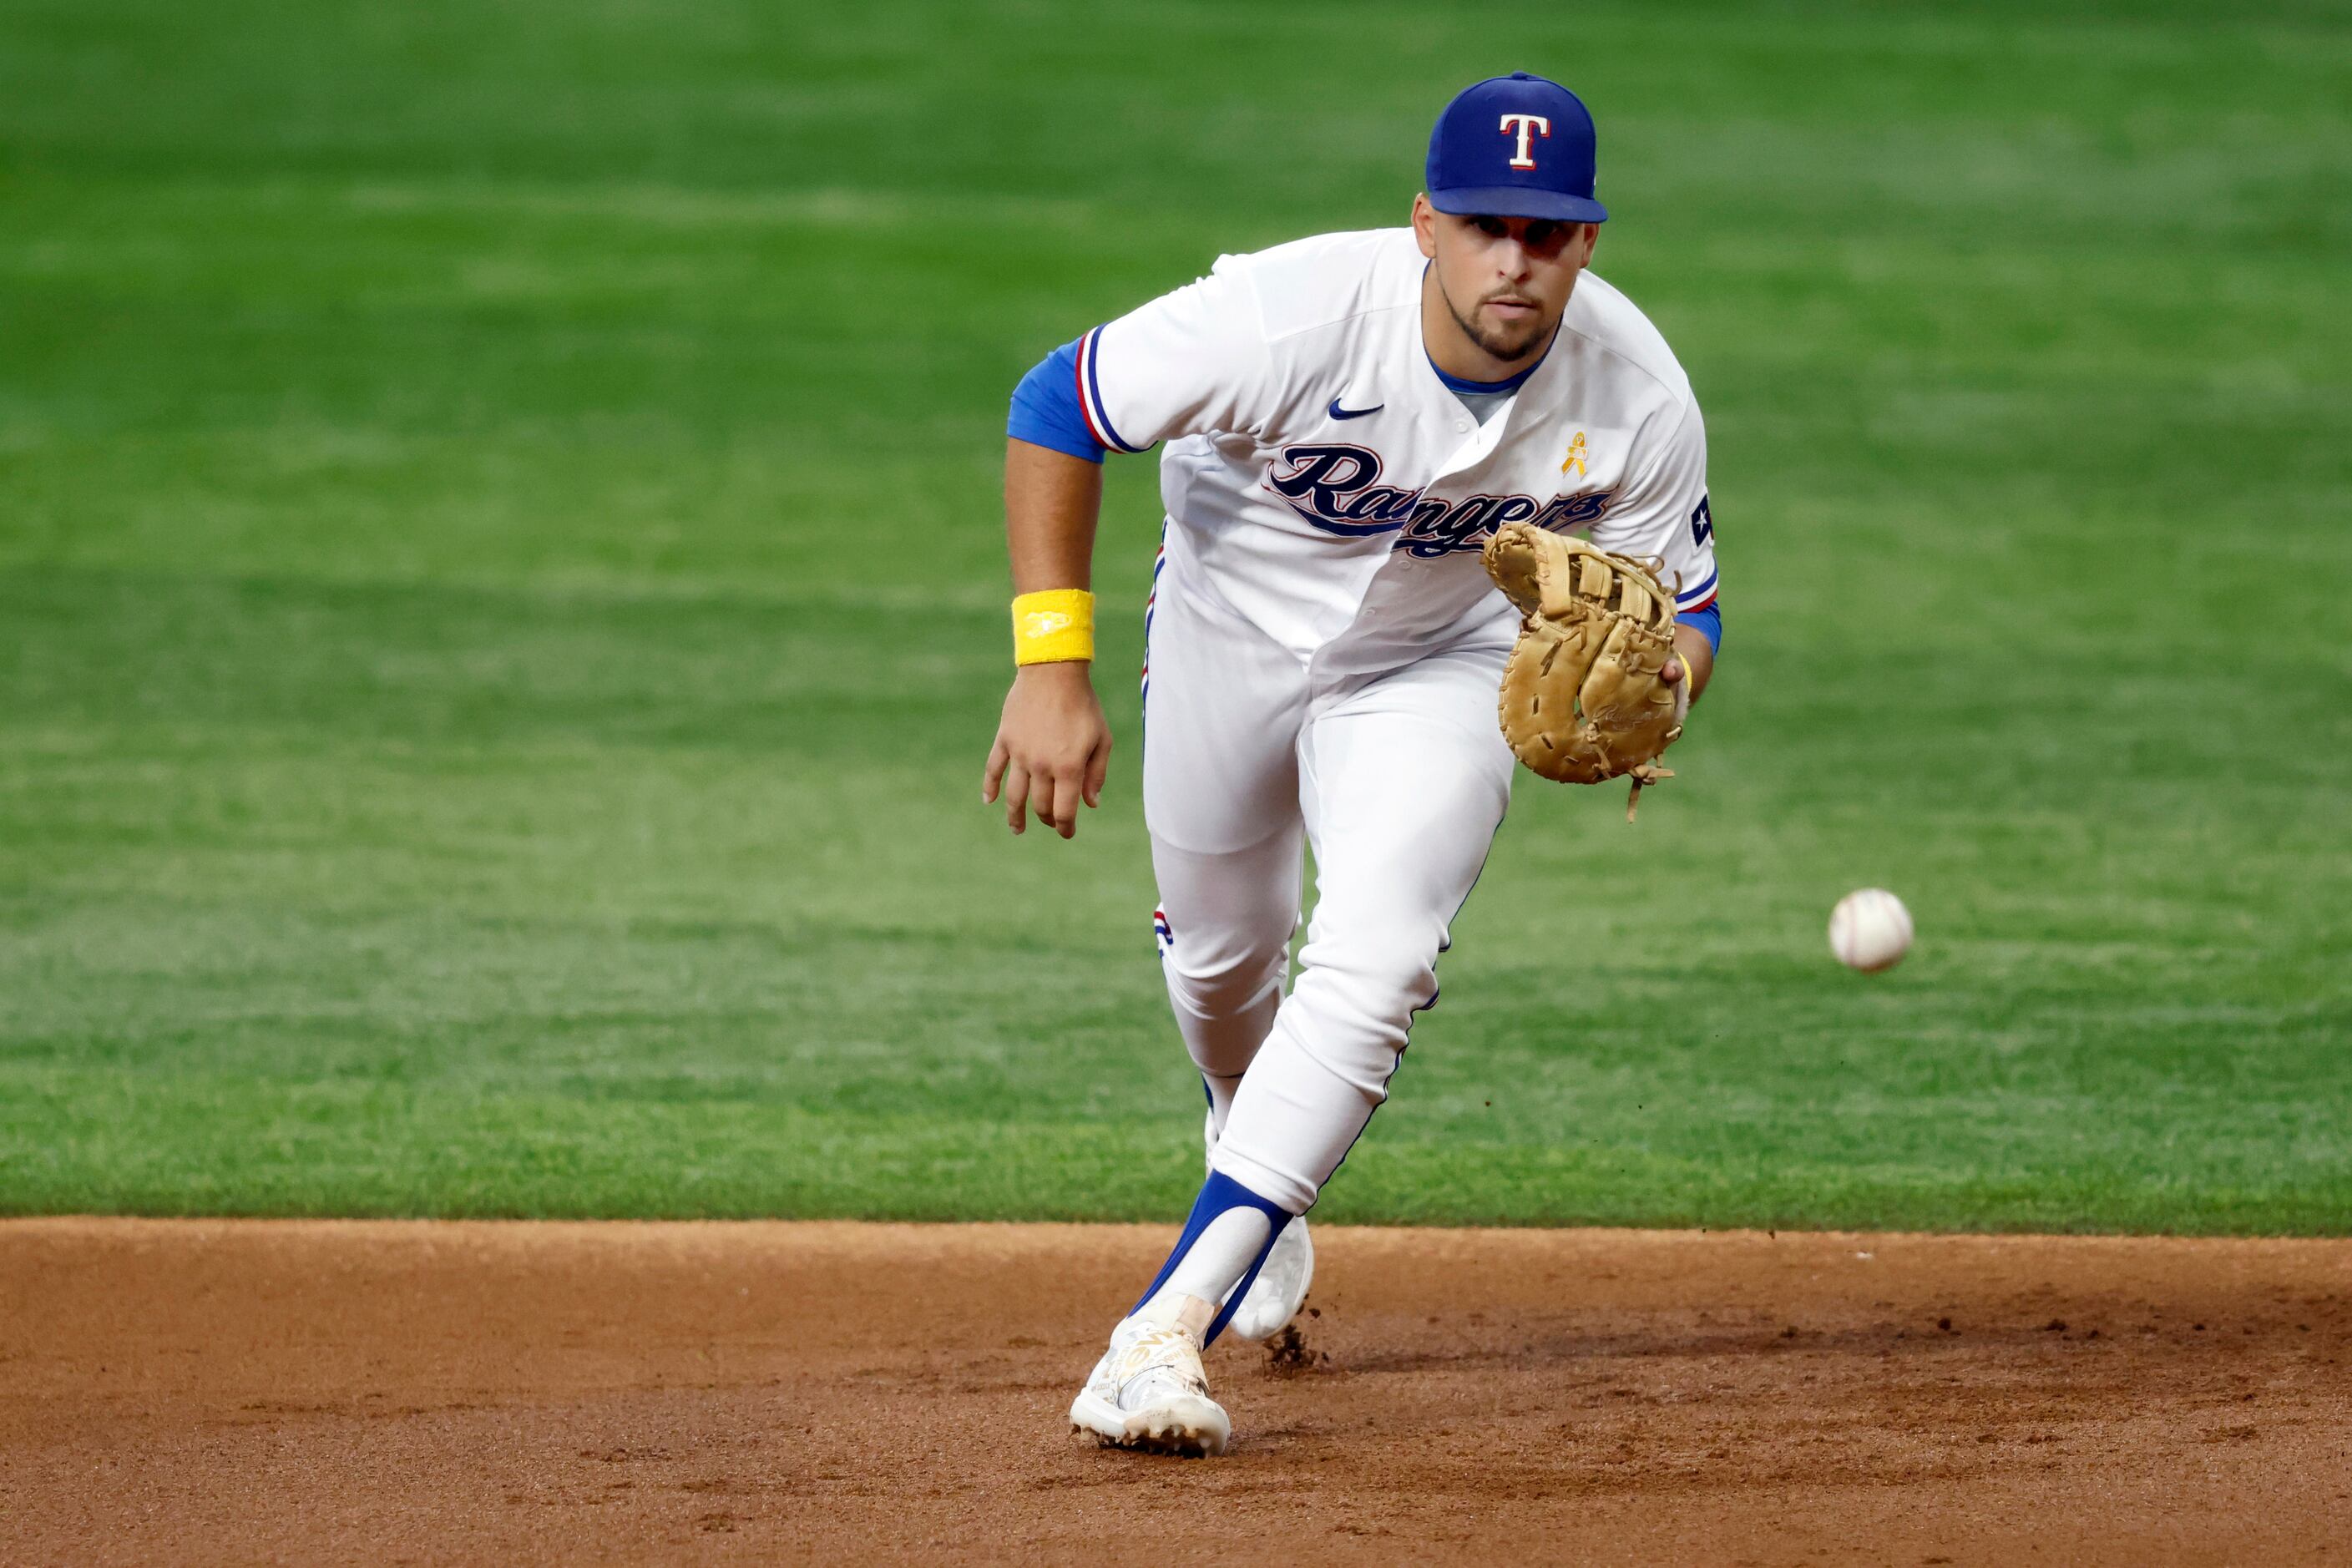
{"x": 1697, "y": 654}
{"x": 1051, "y": 503}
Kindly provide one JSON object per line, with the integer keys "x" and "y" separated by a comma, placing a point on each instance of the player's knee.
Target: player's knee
{"x": 1373, "y": 987}
{"x": 1399, "y": 968}
{"x": 1218, "y": 983}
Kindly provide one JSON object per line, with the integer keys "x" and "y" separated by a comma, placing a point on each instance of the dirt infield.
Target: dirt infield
{"x": 201, "y": 1392}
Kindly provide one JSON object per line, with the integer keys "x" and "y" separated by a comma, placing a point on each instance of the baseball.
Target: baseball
{"x": 1870, "y": 930}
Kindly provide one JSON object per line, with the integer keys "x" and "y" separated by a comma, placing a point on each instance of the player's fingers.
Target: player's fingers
{"x": 1069, "y": 787}
{"x": 1041, "y": 798}
{"x": 1673, "y": 671}
{"x": 1016, "y": 796}
{"x": 991, "y": 771}
{"x": 1098, "y": 769}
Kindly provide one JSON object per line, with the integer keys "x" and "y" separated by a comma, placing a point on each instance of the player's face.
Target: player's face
{"x": 1505, "y": 280}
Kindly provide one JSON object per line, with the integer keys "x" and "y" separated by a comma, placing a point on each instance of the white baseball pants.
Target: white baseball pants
{"x": 1397, "y": 782}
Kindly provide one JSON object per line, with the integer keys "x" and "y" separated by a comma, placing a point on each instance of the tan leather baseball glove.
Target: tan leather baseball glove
{"x": 1582, "y": 697}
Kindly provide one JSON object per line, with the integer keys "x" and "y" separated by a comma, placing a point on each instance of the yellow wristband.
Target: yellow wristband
{"x": 1053, "y": 627}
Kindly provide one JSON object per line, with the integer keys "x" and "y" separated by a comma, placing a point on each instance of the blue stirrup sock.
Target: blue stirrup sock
{"x": 1224, "y": 1244}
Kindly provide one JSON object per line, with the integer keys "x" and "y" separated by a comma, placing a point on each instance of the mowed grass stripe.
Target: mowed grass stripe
{"x": 503, "y": 599}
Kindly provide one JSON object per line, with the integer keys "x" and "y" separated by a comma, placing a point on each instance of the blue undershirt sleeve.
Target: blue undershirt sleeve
{"x": 1708, "y": 621}
{"x": 1045, "y": 411}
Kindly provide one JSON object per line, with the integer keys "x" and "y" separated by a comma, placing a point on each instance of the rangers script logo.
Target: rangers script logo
{"x": 1335, "y": 486}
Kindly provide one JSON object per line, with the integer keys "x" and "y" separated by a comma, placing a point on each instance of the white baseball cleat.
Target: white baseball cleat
{"x": 1149, "y": 1392}
{"x": 1280, "y": 1287}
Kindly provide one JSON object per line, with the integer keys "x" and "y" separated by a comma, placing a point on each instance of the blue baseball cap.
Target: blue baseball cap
{"x": 1515, "y": 146}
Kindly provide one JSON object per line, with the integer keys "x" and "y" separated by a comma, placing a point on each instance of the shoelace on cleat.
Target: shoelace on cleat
{"x": 1162, "y": 1349}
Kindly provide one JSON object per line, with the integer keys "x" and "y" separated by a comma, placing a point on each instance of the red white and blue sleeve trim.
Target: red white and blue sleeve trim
{"x": 1697, "y": 608}
{"x": 1090, "y": 403}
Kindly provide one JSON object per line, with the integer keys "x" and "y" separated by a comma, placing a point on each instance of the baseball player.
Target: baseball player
{"x": 1354, "y": 424}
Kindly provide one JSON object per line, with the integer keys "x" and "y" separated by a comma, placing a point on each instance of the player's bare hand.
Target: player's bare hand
{"x": 1052, "y": 750}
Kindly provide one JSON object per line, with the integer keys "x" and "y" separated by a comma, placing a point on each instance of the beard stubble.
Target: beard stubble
{"x": 1509, "y": 350}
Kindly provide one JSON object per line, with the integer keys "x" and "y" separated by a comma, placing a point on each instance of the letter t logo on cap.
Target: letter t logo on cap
{"x": 1465, "y": 177}
{"x": 1529, "y": 126}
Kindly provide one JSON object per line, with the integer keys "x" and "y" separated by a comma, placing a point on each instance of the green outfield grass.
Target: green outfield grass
{"x": 503, "y": 611}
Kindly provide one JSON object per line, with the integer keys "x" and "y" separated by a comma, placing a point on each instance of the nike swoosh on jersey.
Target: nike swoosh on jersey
{"x": 1339, "y": 413}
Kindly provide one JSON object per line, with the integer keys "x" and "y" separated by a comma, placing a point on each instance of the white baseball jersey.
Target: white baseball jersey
{"x": 1328, "y": 484}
